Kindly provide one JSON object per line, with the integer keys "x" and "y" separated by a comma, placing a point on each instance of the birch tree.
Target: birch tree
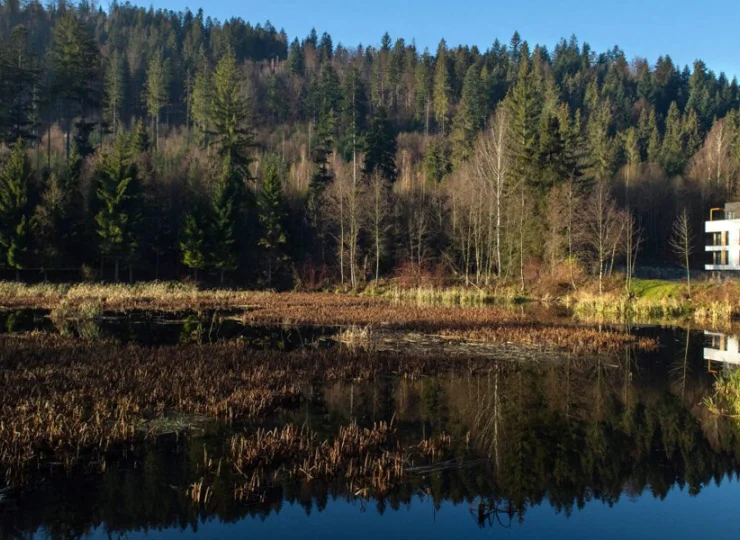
{"x": 682, "y": 243}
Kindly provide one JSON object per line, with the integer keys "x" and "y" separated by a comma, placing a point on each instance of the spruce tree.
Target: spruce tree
{"x": 226, "y": 201}
{"x": 691, "y": 134}
{"x": 194, "y": 241}
{"x": 524, "y": 110}
{"x": 56, "y": 220}
{"x": 19, "y": 82}
{"x": 117, "y": 197}
{"x": 295, "y": 58}
{"x": 230, "y": 119}
{"x": 271, "y": 208}
{"x": 200, "y": 100}
{"x": 602, "y": 146}
{"x": 156, "y": 89}
{"x": 75, "y": 62}
{"x": 15, "y": 177}
{"x": 354, "y": 113}
{"x": 381, "y": 147}
{"x": 442, "y": 88}
{"x": 115, "y": 88}
{"x": 422, "y": 97}
{"x": 471, "y": 114}
{"x": 672, "y": 151}
{"x": 654, "y": 140}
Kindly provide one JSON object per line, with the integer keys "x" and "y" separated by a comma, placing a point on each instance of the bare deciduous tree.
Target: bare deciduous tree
{"x": 493, "y": 167}
{"x": 604, "y": 225}
{"x": 682, "y": 243}
{"x": 379, "y": 194}
{"x": 347, "y": 192}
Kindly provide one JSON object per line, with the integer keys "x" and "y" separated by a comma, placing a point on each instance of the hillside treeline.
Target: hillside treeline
{"x": 157, "y": 144}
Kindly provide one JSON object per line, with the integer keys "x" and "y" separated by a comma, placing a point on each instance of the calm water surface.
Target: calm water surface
{"x": 611, "y": 447}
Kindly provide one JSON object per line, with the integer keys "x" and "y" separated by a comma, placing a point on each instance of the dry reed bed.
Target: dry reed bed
{"x": 64, "y": 398}
{"x": 577, "y": 340}
{"x": 368, "y": 460}
{"x": 487, "y": 324}
{"x": 166, "y": 296}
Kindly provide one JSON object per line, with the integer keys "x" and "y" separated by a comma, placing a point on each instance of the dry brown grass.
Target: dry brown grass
{"x": 577, "y": 340}
{"x": 67, "y": 401}
{"x": 369, "y": 461}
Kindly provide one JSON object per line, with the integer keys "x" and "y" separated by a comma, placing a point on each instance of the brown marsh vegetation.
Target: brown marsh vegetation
{"x": 66, "y": 401}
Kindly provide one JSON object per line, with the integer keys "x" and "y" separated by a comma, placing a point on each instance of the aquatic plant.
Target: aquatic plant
{"x": 726, "y": 398}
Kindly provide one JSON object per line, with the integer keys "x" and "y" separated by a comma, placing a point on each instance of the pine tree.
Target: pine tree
{"x": 15, "y": 177}
{"x": 271, "y": 208}
{"x": 117, "y": 196}
{"x": 381, "y": 147}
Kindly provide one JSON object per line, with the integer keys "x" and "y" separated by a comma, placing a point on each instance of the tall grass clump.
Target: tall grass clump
{"x": 454, "y": 296}
{"x": 726, "y": 398}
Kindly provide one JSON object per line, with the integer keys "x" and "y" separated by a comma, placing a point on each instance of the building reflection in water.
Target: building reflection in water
{"x": 721, "y": 351}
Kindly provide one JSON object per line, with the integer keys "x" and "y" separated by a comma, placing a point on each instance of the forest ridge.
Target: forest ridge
{"x": 167, "y": 143}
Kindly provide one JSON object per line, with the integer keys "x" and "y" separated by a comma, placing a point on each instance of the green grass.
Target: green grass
{"x": 657, "y": 289}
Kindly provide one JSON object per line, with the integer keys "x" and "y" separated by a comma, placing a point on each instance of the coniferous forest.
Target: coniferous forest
{"x": 143, "y": 144}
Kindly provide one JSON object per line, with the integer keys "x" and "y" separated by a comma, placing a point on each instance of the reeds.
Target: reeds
{"x": 69, "y": 401}
{"x": 573, "y": 339}
{"x": 726, "y": 398}
{"x": 367, "y": 460}
{"x": 356, "y": 337}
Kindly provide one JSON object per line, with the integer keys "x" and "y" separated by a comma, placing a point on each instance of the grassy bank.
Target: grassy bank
{"x": 710, "y": 302}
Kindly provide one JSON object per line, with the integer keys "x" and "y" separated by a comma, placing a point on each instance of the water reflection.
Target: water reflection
{"x": 562, "y": 435}
{"x": 152, "y": 328}
{"x": 722, "y": 349}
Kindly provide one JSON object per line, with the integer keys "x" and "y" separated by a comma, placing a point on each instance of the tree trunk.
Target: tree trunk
{"x": 116, "y": 272}
{"x": 222, "y": 277}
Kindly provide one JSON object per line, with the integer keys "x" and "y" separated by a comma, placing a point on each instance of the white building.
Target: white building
{"x": 725, "y": 231}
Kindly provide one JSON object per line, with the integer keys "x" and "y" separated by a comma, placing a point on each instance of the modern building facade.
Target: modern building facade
{"x": 724, "y": 226}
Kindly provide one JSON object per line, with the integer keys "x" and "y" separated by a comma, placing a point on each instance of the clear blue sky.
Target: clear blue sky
{"x": 685, "y": 29}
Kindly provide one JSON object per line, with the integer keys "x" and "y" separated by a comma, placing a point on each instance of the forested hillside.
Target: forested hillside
{"x": 141, "y": 144}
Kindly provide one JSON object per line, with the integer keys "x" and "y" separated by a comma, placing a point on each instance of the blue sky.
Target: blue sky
{"x": 685, "y": 29}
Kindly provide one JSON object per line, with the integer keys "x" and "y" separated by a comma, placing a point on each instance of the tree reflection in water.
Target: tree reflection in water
{"x": 562, "y": 434}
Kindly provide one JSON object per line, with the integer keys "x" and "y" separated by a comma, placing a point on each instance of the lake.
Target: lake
{"x": 611, "y": 446}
